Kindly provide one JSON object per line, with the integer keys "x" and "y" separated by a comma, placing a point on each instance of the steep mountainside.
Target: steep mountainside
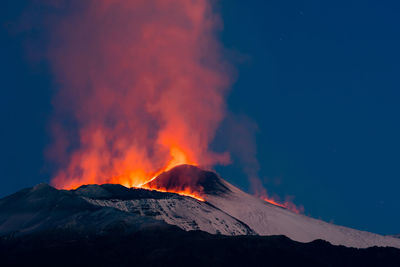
{"x": 265, "y": 218}
{"x": 268, "y": 219}
{"x": 101, "y": 209}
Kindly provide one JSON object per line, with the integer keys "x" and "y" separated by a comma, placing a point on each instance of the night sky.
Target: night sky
{"x": 317, "y": 83}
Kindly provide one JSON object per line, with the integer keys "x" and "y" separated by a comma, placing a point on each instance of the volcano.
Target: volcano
{"x": 224, "y": 209}
{"x": 110, "y": 225}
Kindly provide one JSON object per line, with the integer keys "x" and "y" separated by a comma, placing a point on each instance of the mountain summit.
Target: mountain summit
{"x": 190, "y": 177}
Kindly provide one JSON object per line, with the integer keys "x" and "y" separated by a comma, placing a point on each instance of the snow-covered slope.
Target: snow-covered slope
{"x": 115, "y": 208}
{"x": 102, "y": 208}
{"x": 44, "y": 208}
{"x": 265, "y": 218}
{"x": 268, "y": 219}
{"x": 184, "y": 212}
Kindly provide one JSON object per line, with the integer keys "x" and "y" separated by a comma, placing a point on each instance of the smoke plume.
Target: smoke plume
{"x": 142, "y": 88}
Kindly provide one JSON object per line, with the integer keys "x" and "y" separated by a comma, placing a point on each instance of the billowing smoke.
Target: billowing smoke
{"x": 142, "y": 89}
{"x": 241, "y": 142}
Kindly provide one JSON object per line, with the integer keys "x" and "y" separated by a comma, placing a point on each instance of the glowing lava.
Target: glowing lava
{"x": 185, "y": 192}
{"x": 287, "y": 205}
{"x": 142, "y": 88}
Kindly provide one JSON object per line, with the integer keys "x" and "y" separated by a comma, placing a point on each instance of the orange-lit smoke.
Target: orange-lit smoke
{"x": 260, "y": 192}
{"x": 287, "y": 204}
{"x": 142, "y": 89}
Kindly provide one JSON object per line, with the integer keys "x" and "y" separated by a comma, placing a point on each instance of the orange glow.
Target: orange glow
{"x": 186, "y": 192}
{"x": 273, "y": 202}
{"x": 287, "y": 204}
{"x": 144, "y": 86}
{"x": 178, "y": 157}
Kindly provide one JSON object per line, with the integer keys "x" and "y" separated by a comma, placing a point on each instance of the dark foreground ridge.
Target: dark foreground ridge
{"x": 170, "y": 246}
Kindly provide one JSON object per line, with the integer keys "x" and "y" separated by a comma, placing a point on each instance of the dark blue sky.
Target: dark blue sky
{"x": 319, "y": 78}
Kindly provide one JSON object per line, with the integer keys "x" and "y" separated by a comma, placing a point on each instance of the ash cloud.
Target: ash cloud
{"x": 143, "y": 83}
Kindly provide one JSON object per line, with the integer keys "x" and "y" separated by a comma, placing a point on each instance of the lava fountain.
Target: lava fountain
{"x": 142, "y": 88}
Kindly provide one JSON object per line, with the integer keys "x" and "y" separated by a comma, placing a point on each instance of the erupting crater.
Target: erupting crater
{"x": 188, "y": 180}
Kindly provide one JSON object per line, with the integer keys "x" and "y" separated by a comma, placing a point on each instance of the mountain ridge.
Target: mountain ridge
{"x": 227, "y": 210}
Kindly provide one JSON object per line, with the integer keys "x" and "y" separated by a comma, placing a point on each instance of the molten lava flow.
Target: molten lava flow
{"x": 273, "y": 202}
{"x": 260, "y": 192}
{"x": 141, "y": 89}
{"x": 287, "y": 205}
{"x": 185, "y": 192}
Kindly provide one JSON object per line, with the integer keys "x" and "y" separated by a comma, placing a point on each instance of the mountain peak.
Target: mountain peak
{"x": 184, "y": 177}
{"x": 42, "y": 186}
{"x": 92, "y": 191}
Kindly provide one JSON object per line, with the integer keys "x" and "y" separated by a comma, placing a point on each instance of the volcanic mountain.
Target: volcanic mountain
{"x": 226, "y": 210}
